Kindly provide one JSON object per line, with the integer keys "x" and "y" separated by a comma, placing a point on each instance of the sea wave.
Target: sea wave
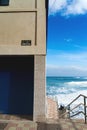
{"x": 61, "y": 90}
{"x": 84, "y": 77}
{"x": 76, "y": 84}
{"x": 67, "y": 88}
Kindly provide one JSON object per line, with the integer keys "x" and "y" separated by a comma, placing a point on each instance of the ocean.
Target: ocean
{"x": 66, "y": 89}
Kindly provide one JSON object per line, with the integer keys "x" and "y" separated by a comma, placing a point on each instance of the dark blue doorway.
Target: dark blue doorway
{"x": 16, "y": 85}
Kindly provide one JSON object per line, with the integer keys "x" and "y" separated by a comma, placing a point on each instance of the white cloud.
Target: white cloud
{"x": 56, "y": 5}
{"x": 80, "y": 58}
{"x": 68, "y": 40}
{"x": 68, "y": 7}
{"x": 77, "y": 7}
{"x": 67, "y": 64}
{"x": 66, "y": 71}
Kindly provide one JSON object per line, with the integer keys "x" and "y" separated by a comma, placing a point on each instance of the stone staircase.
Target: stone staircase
{"x": 54, "y": 123}
{"x": 52, "y": 112}
{"x": 62, "y": 124}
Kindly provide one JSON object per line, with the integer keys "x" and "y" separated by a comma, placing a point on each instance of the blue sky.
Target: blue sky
{"x": 67, "y": 38}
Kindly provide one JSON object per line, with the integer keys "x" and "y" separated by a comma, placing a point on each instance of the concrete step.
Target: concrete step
{"x": 62, "y": 124}
{"x": 17, "y": 125}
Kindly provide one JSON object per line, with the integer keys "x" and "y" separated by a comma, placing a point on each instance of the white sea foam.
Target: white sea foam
{"x": 76, "y": 84}
{"x": 62, "y": 90}
{"x": 66, "y": 90}
{"x": 67, "y": 98}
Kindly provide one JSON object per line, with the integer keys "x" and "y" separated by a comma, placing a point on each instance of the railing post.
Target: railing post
{"x": 85, "y": 109}
{"x": 69, "y": 111}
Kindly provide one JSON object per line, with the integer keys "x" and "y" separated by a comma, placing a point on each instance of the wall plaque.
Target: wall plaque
{"x": 26, "y": 43}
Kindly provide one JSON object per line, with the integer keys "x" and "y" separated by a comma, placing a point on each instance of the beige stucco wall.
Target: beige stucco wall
{"x": 23, "y": 20}
{"x": 24, "y": 4}
{"x": 26, "y": 20}
{"x": 39, "y": 88}
{"x": 30, "y": 4}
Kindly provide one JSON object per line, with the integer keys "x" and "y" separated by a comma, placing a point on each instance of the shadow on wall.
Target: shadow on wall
{"x": 16, "y": 84}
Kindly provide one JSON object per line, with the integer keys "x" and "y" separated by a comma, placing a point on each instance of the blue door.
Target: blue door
{"x": 4, "y": 91}
{"x": 16, "y": 85}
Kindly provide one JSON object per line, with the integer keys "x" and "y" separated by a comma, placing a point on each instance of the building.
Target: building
{"x": 22, "y": 57}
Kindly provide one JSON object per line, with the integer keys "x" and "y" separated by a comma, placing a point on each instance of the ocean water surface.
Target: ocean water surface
{"x": 65, "y": 89}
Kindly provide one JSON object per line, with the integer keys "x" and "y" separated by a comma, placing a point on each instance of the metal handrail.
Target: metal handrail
{"x": 70, "y": 110}
{"x": 76, "y": 99}
{"x": 78, "y": 113}
{"x": 77, "y": 106}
